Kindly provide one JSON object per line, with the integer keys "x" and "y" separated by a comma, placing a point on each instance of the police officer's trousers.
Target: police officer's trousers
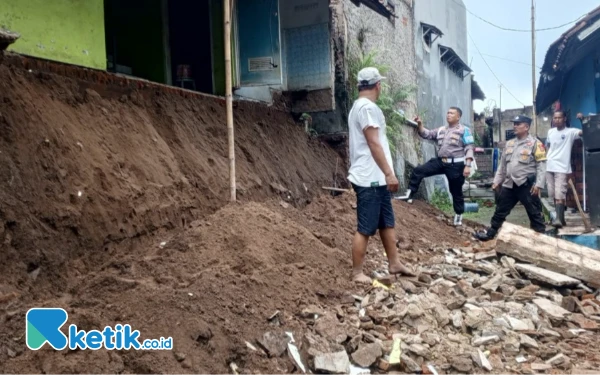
{"x": 454, "y": 173}
{"x": 507, "y": 200}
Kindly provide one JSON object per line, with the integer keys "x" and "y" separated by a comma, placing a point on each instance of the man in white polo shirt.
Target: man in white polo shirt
{"x": 372, "y": 176}
{"x": 559, "y": 144}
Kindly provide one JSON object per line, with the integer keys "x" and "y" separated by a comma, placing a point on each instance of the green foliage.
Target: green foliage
{"x": 390, "y": 97}
{"x": 441, "y": 200}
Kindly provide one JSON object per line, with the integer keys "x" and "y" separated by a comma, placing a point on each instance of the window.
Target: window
{"x": 454, "y": 62}
{"x": 430, "y": 34}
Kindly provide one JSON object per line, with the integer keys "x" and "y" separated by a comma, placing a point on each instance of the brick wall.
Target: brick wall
{"x": 577, "y": 175}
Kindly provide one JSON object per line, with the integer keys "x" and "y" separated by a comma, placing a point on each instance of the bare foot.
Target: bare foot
{"x": 361, "y": 278}
{"x": 399, "y": 268}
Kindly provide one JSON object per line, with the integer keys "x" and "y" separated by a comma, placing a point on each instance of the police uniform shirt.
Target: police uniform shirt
{"x": 453, "y": 142}
{"x": 522, "y": 158}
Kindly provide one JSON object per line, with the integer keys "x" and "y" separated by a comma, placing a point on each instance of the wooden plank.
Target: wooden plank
{"x": 335, "y": 189}
{"x": 586, "y": 222}
{"x": 551, "y": 253}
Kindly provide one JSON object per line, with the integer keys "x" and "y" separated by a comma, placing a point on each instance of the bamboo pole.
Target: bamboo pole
{"x": 229, "y": 99}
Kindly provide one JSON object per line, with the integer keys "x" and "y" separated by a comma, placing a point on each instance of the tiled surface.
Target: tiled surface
{"x": 308, "y": 57}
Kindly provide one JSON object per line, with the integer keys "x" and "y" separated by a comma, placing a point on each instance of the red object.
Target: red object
{"x": 184, "y": 71}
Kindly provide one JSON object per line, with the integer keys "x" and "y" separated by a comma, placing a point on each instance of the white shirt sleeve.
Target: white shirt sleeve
{"x": 575, "y": 133}
{"x": 366, "y": 118}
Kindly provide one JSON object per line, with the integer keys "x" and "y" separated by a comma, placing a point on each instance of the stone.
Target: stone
{"x": 516, "y": 324}
{"x": 367, "y": 355}
{"x": 419, "y": 350}
{"x": 485, "y": 340}
{"x": 474, "y": 318}
{"x": 456, "y": 303}
{"x": 329, "y": 327}
{"x": 557, "y": 360}
{"x": 502, "y": 322}
{"x": 522, "y": 296}
{"x": 462, "y": 365}
{"x": 431, "y": 339}
{"x": 551, "y": 309}
{"x": 383, "y": 364}
{"x": 457, "y": 319}
{"x": 367, "y": 325}
{"x": 507, "y": 290}
{"x": 540, "y": 366}
{"x": 314, "y": 345}
{"x": 274, "y": 343}
{"x": 512, "y": 344}
{"x": 180, "y": 357}
{"x": 546, "y": 276}
{"x": 352, "y": 345}
{"x": 549, "y": 332}
{"x": 528, "y": 342}
{"x": 518, "y": 283}
{"x": 311, "y": 312}
{"x": 408, "y": 365}
{"x": 485, "y": 255}
{"x": 414, "y": 311}
{"x": 333, "y": 363}
{"x": 584, "y": 322}
{"x": 495, "y": 296}
{"x": 481, "y": 360}
{"x": 442, "y": 315}
{"x": 465, "y": 288}
{"x": 493, "y": 283}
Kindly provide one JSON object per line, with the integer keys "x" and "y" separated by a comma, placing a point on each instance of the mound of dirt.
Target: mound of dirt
{"x": 114, "y": 207}
{"x": 86, "y": 165}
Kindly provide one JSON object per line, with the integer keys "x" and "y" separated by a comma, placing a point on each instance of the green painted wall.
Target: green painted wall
{"x": 70, "y": 31}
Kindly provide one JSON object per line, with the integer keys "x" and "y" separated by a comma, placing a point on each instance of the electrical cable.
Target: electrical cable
{"x": 490, "y": 68}
{"x": 517, "y": 30}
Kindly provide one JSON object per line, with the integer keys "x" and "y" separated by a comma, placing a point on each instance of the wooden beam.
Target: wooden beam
{"x": 229, "y": 98}
{"x": 586, "y": 222}
{"x": 335, "y": 189}
{"x": 551, "y": 253}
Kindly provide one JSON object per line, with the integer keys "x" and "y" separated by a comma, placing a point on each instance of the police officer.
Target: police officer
{"x": 520, "y": 177}
{"x": 455, "y": 156}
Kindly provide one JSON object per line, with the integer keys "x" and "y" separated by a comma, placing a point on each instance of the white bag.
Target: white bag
{"x": 473, "y": 168}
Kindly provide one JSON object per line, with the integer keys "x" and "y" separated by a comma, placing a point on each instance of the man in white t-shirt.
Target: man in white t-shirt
{"x": 372, "y": 176}
{"x": 559, "y": 143}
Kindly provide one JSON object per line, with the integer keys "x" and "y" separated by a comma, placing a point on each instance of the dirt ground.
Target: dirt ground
{"x": 114, "y": 207}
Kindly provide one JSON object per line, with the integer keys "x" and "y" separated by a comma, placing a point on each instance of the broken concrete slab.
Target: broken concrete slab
{"x": 333, "y": 363}
{"x": 546, "y": 276}
{"x": 485, "y": 340}
{"x": 516, "y": 324}
{"x": 456, "y": 303}
{"x": 541, "y": 366}
{"x": 408, "y": 365}
{"x": 551, "y": 309}
{"x": 584, "y": 322}
{"x": 557, "y": 360}
{"x": 528, "y": 342}
{"x": 550, "y": 253}
{"x": 329, "y": 327}
{"x": 485, "y": 255}
{"x": 367, "y": 355}
{"x": 420, "y": 350}
{"x": 481, "y": 360}
{"x": 493, "y": 283}
{"x": 274, "y": 343}
{"x": 462, "y": 365}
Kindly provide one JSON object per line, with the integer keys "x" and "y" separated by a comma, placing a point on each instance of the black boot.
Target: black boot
{"x": 557, "y": 221}
{"x": 560, "y": 212}
{"x": 487, "y": 235}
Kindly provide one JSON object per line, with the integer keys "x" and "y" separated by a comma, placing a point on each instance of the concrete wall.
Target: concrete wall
{"x": 439, "y": 87}
{"x": 70, "y": 31}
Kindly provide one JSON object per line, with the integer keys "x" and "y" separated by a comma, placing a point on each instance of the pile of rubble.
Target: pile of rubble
{"x": 466, "y": 312}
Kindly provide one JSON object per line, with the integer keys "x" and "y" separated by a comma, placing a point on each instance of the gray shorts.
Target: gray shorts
{"x": 557, "y": 185}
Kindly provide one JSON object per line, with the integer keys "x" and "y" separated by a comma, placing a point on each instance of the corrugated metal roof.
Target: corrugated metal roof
{"x": 562, "y": 55}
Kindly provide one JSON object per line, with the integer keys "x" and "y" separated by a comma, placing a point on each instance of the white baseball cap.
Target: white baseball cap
{"x": 369, "y": 76}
